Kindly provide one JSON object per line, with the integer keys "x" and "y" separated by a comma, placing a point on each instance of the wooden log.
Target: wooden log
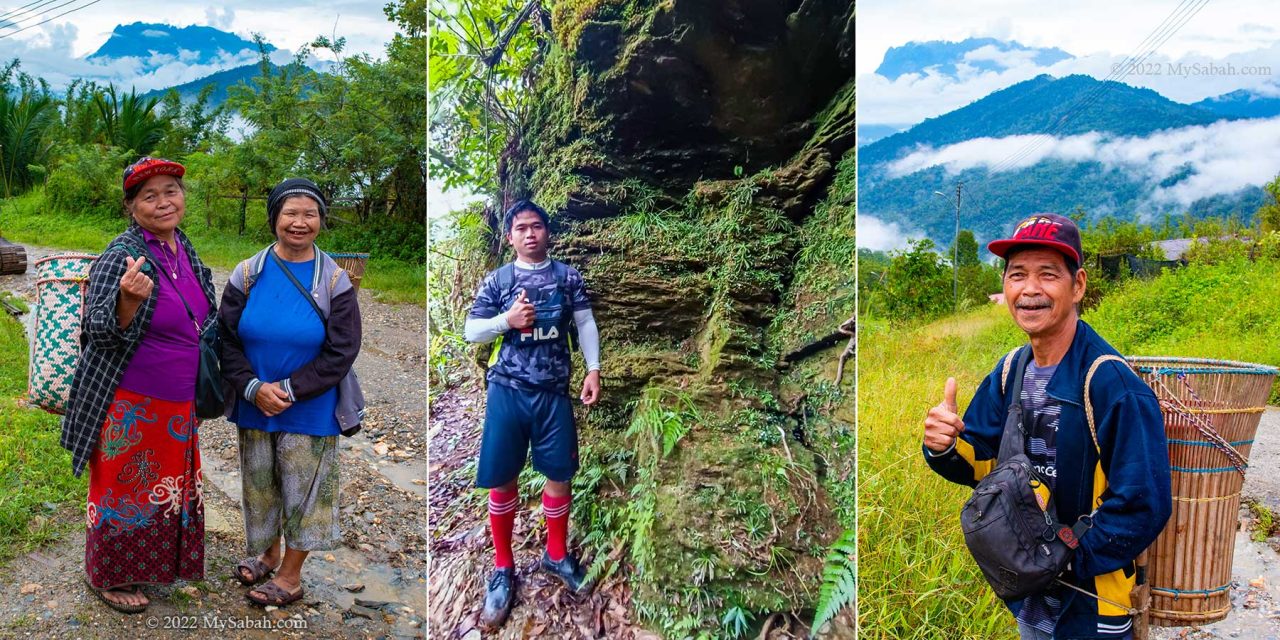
{"x": 13, "y": 258}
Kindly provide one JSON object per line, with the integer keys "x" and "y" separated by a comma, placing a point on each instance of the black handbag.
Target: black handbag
{"x": 210, "y": 399}
{"x": 1020, "y": 547}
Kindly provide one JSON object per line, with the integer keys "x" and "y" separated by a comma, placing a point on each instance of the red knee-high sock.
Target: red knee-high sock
{"x": 556, "y": 511}
{"x": 502, "y": 519}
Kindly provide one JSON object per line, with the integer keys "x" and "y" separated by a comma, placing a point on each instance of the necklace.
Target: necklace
{"x": 172, "y": 266}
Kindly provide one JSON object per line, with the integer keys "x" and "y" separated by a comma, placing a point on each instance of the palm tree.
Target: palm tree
{"x": 129, "y": 121}
{"x": 24, "y": 119}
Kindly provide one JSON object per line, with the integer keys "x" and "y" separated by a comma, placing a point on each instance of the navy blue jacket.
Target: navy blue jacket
{"x": 1128, "y": 484}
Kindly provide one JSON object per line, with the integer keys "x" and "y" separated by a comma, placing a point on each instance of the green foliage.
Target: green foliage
{"x": 87, "y": 181}
{"x": 966, "y": 248}
{"x": 128, "y": 122}
{"x": 916, "y": 578}
{"x": 1268, "y": 215}
{"x": 917, "y": 283}
{"x": 26, "y": 112}
{"x": 661, "y": 425}
{"x": 481, "y": 85}
{"x": 1195, "y": 312}
{"x": 38, "y": 493}
{"x": 839, "y": 578}
{"x": 1264, "y": 523}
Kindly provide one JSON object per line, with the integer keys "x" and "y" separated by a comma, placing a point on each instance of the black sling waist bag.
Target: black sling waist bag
{"x": 1020, "y": 547}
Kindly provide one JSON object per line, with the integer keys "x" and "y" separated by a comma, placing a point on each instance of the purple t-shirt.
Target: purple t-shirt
{"x": 164, "y": 366}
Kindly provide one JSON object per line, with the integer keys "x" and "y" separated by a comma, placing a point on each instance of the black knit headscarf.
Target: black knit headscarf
{"x": 293, "y": 187}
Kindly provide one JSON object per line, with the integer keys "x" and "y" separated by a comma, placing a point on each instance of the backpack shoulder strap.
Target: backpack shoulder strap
{"x": 1088, "y": 403}
{"x": 1008, "y": 364}
{"x": 248, "y": 279}
{"x": 561, "y": 273}
{"x": 506, "y": 277}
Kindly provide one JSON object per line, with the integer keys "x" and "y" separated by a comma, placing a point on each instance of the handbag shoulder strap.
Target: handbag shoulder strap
{"x": 302, "y": 290}
{"x": 1011, "y": 440}
{"x": 190, "y": 314}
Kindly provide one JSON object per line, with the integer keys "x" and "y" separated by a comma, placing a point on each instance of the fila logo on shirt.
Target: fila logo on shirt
{"x": 539, "y": 334}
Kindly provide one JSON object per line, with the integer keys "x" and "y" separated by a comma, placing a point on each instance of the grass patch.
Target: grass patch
{"x": 1198, "y": 311}
{"x": 1264, "y": 523}
{"x": 917, "y": 580}
{"x": 38, "y": 494}
{"x": 29, "y": 218}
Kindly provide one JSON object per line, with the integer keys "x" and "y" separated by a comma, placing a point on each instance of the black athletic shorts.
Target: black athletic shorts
{"x": 515, "y": 421}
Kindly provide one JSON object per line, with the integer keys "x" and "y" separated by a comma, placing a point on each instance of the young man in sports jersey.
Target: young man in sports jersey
{"x": 531, "y": 304}
{"x": 1114, "y": 475}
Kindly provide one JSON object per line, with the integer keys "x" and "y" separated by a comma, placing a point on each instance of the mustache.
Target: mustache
{"x": 1034, "y": 303}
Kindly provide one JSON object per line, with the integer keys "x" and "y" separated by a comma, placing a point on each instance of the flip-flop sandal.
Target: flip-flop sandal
{"x": 118, "y": 606}
{"x": 275, "y": 595}
{"x": 256, "y": 568}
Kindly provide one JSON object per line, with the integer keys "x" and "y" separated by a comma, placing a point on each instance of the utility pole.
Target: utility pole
{"x": 955, "y": 251}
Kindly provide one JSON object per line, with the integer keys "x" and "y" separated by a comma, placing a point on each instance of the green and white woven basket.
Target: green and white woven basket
{"x": 61, "y": 281}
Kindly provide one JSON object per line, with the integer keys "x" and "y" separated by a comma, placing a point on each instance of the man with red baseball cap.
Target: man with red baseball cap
{"x": 1113, "y": 474}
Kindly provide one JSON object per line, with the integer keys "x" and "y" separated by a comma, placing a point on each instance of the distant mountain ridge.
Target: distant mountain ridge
{"x": 1242, "y": 103}
{"x": 1038, "y": 106}
{"x": 945, "y": 56}
{"x": 223, "y": 80}
{"x": 194, "y": 44}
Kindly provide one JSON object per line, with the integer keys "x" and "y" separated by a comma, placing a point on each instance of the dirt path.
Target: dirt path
{"x": 1255, "y": 575}
{"x": 462, "y": 556}
{"x": 373, "y": 586}
{"x": 461, "y": 551}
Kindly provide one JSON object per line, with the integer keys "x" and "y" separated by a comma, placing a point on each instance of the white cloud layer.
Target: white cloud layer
{"x": 1224, "y": 157}
{"x": 878, "y": 235}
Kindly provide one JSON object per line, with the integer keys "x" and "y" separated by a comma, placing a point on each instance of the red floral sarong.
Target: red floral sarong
{"x": 146, "y": 508}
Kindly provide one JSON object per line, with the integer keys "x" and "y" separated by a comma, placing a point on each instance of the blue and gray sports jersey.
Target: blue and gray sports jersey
{"x": 536, "y": 358}
{"x": 1041, "y": 414}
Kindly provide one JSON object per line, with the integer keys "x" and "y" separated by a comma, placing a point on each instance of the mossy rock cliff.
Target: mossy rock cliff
{"x": 697, "y": 158}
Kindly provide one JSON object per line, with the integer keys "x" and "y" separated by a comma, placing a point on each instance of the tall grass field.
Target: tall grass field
{"x": 917, "y": 579}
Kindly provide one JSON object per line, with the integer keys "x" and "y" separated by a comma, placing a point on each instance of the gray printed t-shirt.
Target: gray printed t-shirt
{"x": 544, "y": 366}
{"x": 1041, "y": 415}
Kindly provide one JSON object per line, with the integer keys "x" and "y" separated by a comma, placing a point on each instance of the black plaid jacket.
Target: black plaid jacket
{"x": 105, "y": 348}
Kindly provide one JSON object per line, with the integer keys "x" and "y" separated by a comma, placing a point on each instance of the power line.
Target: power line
{"x": 1162, "y": 33}
{"x": 68, "y": 11}
{"x": 1130, "y": 61}
{"x": 23, "y": 9}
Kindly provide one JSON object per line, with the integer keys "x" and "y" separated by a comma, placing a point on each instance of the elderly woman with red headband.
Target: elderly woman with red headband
{"x": 131, "y": 412}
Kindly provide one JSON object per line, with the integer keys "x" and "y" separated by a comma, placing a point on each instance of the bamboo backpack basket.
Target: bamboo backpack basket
{"x": 1211, "y": 412}
{"x": 354, "y": 264}
{"x": 61, "y": 281}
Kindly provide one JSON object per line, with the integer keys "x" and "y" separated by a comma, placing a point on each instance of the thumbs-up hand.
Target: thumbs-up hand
{"x": 943, "y": 424}
{"x": 135, "y": 286}
{"x": 521, "y": 314}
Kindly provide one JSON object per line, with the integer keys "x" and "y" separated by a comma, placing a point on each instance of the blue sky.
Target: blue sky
{"x": 56, "y": 50}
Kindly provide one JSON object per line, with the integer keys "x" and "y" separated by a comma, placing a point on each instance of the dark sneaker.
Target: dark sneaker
{"x": 498, "y": 596}
{"x": 569, "y": 572}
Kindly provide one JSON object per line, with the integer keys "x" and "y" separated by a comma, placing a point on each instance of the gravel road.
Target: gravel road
{"x": 373, "y": 586}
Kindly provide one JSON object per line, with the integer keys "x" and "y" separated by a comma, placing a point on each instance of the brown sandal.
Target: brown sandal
{"x": 275, "y": 595}
{"x": 118, "y": 606}
{"x": 256, "y": 568}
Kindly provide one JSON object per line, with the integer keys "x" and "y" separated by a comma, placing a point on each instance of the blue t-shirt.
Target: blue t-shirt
{"x": 280, "y": 333}
{"x": 538, "y": 365}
